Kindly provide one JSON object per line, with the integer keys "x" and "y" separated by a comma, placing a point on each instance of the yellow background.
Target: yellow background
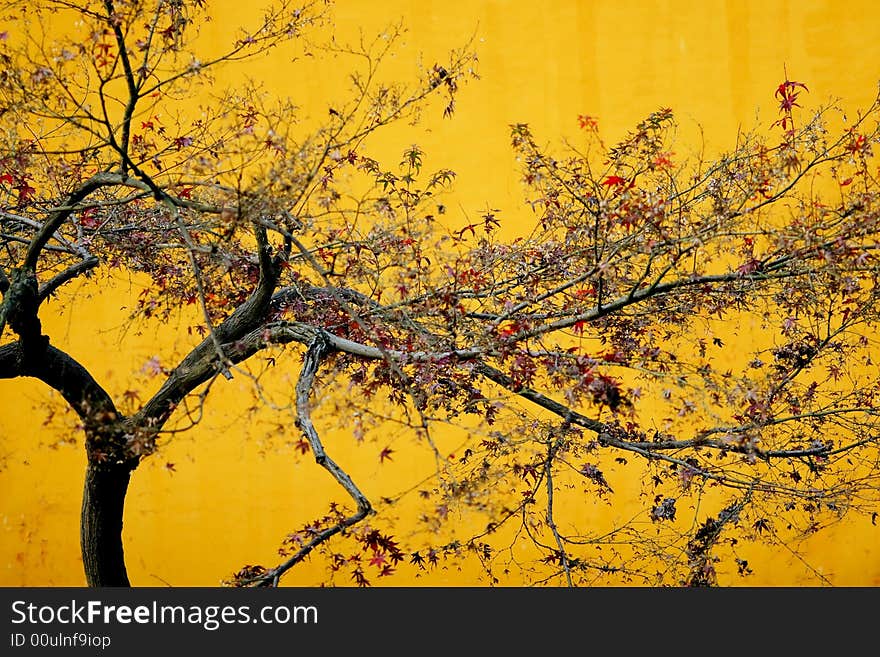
{"x": 229, "y": 501}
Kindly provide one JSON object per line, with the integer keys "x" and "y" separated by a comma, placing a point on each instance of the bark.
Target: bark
{"x": 101, "y": 524}
{"x": 109, "y": 467}
{"x": 111, "y": 456}
{"x": 319, "y": 347}
{"x": 203, "y": 362}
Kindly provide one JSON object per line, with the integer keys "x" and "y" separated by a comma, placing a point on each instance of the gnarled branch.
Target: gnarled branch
{"x": 319, "y": 348}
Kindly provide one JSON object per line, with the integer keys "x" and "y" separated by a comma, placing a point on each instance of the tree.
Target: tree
{"x": 591, "y": 343}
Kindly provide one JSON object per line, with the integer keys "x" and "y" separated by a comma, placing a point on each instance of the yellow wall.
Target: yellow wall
{"x": 715, "y": 63}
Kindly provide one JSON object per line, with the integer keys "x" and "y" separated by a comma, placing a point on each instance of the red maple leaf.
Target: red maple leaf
{"x": 614, "y": 357}
{"x": 587, "y": 122}
{"x": 89, "y": 218}
{"x": 508, "y": 329}
{"x": 787, "y": 94}
{"x": 418, "y": 560}
{"x": 25, "y": 192}
{"x": 611, "y": 181}
{"x": 469, "y": 227}
{"x": 131, "y": 396}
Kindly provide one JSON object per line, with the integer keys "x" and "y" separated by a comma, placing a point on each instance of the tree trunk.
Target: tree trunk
{"x": 101, "y": 524}
{"x": 109, "y": 454}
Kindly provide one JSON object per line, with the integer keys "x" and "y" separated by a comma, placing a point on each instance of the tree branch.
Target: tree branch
{"x": 110, "y": 462}
{"x": 552, "y": 447}
{"x": 46, "y": 289}
{"x": 60, "y": 215}
{"x": 63, "y": 373}
{"x": 318, "y": 349}
{"x": 234, "y": 340}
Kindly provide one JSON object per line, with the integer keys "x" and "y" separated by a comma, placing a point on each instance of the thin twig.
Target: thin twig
{"x": 553, "y": 445}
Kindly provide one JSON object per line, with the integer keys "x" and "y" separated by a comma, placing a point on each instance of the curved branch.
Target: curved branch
{"x": 46, "y": 289}
{"x": 61, "y": 214}
{"x": 289, "y": 332}
{"x": 109, "y": 467}
{"x": 318, "y": 349}
{"x": 63, "y": 373}
{"x": 238, "y": 337}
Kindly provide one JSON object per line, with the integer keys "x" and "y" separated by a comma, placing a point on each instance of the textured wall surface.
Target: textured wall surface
{"x": 228, "y": 501}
